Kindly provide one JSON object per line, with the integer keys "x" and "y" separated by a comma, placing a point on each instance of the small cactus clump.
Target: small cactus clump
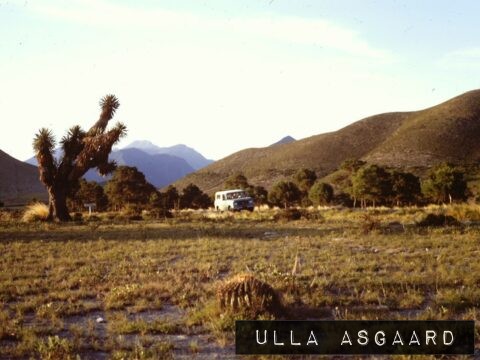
{"x": 246, "y": 293}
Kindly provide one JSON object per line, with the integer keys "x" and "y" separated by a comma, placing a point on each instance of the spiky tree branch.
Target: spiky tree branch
{"x": 96, "y": 150}
{"x": 109, "y": 104}
{"x": 81, "y": 152}
{"x": 44, "y": 144}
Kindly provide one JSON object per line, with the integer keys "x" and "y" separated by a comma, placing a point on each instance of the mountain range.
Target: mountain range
{"x": 159, "y": 169}
{"x": 419, "y": 139}
{"x": 161, "y": 165}
{"x": 191, "y": 156}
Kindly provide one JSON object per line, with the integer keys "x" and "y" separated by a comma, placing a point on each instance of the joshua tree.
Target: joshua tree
{"x": 81, "y": 151}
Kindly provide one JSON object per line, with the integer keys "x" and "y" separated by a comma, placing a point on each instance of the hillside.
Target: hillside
{"x": 446, "y": 132}
{"x": 19, "y": 182}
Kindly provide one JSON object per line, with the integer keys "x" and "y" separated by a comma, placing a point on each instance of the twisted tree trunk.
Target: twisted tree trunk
{"x": 57, "y": 197}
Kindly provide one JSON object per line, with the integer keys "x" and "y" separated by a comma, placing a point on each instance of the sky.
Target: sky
{"x": 224, "y": 75}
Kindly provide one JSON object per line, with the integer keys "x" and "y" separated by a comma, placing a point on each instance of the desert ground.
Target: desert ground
{"x": 108, "y": 286}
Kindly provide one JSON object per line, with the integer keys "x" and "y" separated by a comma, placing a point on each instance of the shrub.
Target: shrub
{"x": 35, "y": 212}
{"x": 342, "y": 199}
{"x": 465, "y": 212}
{"x": 445, "y": 183}
{"x": 285, "y": 194}
{"x": 131, "y": 210}
{"x": 288, "y": 214}
{"x": 128, "y": 188}
{"x": 135, "y": 218}
{"x": 321, "y": 193}
{"x": 313, "y": 215}
{"x": 438, "y": 220}
{"x": 93, "y": 218}
{"x": 77, "y": 217}
{"x": 160, "y": 213}
{"x": 194, "y": 198}
{"x": 369, "y": 223}
{"x": 6, "y": 216}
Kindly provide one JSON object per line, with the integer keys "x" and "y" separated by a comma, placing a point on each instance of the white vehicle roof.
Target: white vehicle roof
{"x": 228, "y": 191}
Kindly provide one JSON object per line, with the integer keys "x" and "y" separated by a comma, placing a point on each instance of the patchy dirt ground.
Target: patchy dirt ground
{"x": 148, "y": 289}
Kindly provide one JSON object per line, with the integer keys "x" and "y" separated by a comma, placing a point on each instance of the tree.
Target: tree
{"x": 237, "y": 181}
{"x": 158, "y": 205}
{"x": 304, "y": 179}
{"x": 284, "y": 193}
{"x": 128, "y": 187}
{"x": 171, "y": 198}
{"x": 445, "y": 183}
{"x": 260, "y": 195}
{"x": 321, "y": 193}
{"x": 81, "y": 152}
{"x": 194, "y": 198}
{"x": 156, "y": 200}
{"x": 88, "y": 192}
{"x": 161, "y": 203}
{"x": 371, "y": 183}
{"x": 405, "y": 188}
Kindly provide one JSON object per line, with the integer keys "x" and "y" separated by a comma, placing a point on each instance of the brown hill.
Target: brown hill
{"x": 19, "y": 181}
{"x": 446, "y": 132}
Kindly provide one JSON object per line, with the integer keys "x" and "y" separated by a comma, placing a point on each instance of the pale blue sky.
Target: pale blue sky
{"x": 221, "y": 76}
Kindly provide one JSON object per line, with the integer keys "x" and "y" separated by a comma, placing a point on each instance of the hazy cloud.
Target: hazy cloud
{"x": 291, "y": 30}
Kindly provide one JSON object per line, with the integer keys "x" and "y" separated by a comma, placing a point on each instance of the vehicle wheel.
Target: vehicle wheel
{"x": 218, "y": 209}
{"x": 250, "y": 209}
{"x": 229, "y": 208}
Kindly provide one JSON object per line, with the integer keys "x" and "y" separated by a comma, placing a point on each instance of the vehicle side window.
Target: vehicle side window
{"x": 223, "y": 197}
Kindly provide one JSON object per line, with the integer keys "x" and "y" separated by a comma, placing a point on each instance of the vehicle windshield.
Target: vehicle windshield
{"x": 236, "y": 195}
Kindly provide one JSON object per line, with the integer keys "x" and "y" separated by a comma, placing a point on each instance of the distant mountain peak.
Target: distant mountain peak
{"x": 140, "y": 144}
{"x": 159, "y": 169}
{"x": 190, "y": 155}
{"x": 285, "y": 140}
{"x": 161, "y": 165}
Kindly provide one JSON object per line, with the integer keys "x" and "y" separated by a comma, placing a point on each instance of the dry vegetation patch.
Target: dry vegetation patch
{"x": 167, "y": 282}
{"x": 35, "y": 212}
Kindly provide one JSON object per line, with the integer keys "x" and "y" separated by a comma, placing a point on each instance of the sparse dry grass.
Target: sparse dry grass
{"x": 154, "y": 282}
{"x": 35, "y": 212}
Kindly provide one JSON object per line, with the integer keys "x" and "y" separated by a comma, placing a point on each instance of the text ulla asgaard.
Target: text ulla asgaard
{"x": 363, "y": 338}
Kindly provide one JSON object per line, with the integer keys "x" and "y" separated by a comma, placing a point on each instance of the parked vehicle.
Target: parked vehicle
{"x": 234, "y": 200}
